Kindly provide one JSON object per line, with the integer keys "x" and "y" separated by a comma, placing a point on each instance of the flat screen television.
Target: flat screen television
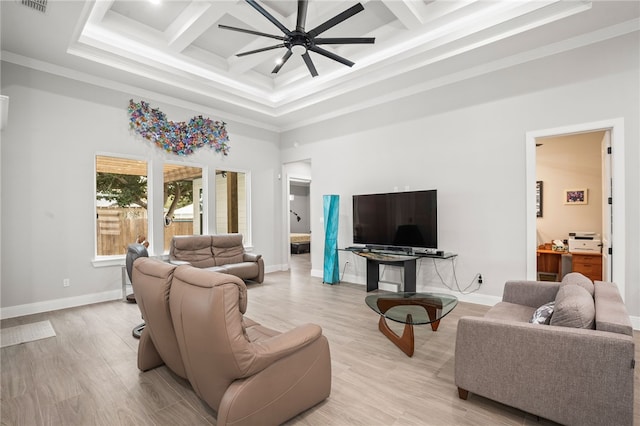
{"x": 396, "y": 219}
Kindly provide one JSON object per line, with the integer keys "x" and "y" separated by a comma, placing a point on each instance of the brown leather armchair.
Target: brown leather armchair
{"x": 246, "y": 372}
{"x": 158, "y": 345}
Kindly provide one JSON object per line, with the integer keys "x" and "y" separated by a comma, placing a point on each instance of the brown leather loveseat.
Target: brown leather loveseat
{"x": 220, "y": 253}
{"x": 248, "y": 373}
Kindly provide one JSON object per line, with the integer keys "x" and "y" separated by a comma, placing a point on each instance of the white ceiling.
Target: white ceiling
{"x": 176, "y": 49}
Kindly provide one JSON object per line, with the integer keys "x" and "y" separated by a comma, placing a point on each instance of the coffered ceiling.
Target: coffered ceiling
{"x": 175, "y": 48}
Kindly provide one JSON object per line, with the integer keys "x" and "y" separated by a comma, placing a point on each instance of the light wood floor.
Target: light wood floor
{"x": 87, "y": 374}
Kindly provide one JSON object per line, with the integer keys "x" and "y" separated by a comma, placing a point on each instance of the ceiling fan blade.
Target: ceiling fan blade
{"x": 284, "y": 59}
{"x": 357, "y": 8}
{"x": 258, "y": 33}
{"x": 331, "y": 55}
{"x": 345, "y": 40}
{"x": 269, "y": 16}
{"x": 264, "y": 49}
{"x": 309, "y": 62}
{"x": 302, "y": 15}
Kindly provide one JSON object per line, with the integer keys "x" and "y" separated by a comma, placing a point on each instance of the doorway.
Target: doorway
{"x": 568, "y": 165}
{"x": 298, "y": 218}
{"x": 611, "y": 187}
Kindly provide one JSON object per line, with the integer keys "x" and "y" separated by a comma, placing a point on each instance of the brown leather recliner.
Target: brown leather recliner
{"x": 151, "y": 281}
{"x": 246, "y": 372}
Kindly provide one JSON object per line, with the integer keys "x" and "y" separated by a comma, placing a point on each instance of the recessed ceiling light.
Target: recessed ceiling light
{"x": 155, "y": 1}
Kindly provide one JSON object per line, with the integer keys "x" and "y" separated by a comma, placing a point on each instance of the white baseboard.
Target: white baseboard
{"x": 480, "y": 299}
{"x": 71, "y": 302}
{"x": 635, "y": 323}
{"x": 353, "y": 279}
{"x": 275, "y": 268}
{"x": 57, "y": 304}
{"x": 477, "y": 298}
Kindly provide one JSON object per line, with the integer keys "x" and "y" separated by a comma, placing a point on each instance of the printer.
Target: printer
{"x": 584, "y": 242}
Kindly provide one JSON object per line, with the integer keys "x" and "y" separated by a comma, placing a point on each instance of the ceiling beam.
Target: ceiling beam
{"x": 99, "y": 11}
{"x": 197, "y": 18}
{"x": 408, "y": 12}
{"x": 439, "y": 9}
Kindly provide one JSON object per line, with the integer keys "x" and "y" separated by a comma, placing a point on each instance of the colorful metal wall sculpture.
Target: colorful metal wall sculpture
{"x": 179, "y": 137}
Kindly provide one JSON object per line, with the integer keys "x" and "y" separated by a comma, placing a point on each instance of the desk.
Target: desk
{"x": 588, "y": 264}
{"x": 550, "y": 262}
{"x": 407, "y": 261}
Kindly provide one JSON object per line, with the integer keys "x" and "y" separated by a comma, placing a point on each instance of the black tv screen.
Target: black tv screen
{"x": 401, "y": 219}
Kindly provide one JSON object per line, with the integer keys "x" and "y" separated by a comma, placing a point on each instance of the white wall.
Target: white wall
{"x": 55, "y": 129}
{"x": 467, "y": 140}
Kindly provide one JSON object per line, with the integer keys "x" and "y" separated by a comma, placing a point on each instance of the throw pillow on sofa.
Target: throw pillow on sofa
{"x": 542, "y": 315}
{"x": 578, "y": 279}
{"x": 574, "y": 307}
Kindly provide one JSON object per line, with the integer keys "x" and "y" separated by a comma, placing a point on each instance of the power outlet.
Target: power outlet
{"x": 479, "y": 278}
{"x": 66, "y": 282}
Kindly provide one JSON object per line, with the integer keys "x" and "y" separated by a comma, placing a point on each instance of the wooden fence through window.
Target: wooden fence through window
{"x": 118, "y": 227}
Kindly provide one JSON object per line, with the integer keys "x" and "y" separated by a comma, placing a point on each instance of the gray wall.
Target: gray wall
{"x": 467, "y": 140}
{"x": 56, "y": 127}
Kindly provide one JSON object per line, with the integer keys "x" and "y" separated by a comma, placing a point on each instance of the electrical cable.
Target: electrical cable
{"x": 343, "y": 270}
{"x": 455, "y": 279}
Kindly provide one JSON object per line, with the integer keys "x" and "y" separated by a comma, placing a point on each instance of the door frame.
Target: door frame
{"x": 618, "y": 243}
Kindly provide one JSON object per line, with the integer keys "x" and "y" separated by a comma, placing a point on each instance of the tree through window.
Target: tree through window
{"x": 121, "y": 203}
{"x": 182, "y": 201}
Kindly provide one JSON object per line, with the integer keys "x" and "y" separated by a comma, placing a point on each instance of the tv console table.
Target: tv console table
{"x": 407, "y": 261}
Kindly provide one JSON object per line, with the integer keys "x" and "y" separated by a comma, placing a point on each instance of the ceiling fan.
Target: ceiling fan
{"x": 302, "y": 41}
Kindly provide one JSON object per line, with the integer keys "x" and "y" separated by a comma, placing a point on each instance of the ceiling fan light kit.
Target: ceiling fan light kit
{"x": 300, "y": 41}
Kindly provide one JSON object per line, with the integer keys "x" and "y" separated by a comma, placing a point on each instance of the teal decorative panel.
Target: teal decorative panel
{"x": 331, "y": 210}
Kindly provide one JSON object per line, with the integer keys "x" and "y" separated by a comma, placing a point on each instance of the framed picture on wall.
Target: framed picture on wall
{"x": 539, "y": 198}
{"x": 575, "y": 196}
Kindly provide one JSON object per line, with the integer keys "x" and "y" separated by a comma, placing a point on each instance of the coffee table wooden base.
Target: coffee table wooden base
{"x": 404, "y": 342}
{"x": 399, "y": 307}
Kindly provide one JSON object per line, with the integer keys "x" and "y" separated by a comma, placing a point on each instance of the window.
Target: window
{"x": 231, "y": 203}
{"x": 182, "y": 201}
{"x": 124, "y": 205}
{"x": 121, "y": 204}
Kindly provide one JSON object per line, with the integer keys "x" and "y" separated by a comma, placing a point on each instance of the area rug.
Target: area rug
{"x": 26, "y": 333}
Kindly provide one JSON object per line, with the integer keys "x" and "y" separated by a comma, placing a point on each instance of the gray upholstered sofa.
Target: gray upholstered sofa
{"x": 248, "y": 373}
{"x": 219, "y": 253}
{"x": 575, "y": 368}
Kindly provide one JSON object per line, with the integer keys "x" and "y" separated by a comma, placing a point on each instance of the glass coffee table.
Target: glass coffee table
{"x": 409, "y": 309}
